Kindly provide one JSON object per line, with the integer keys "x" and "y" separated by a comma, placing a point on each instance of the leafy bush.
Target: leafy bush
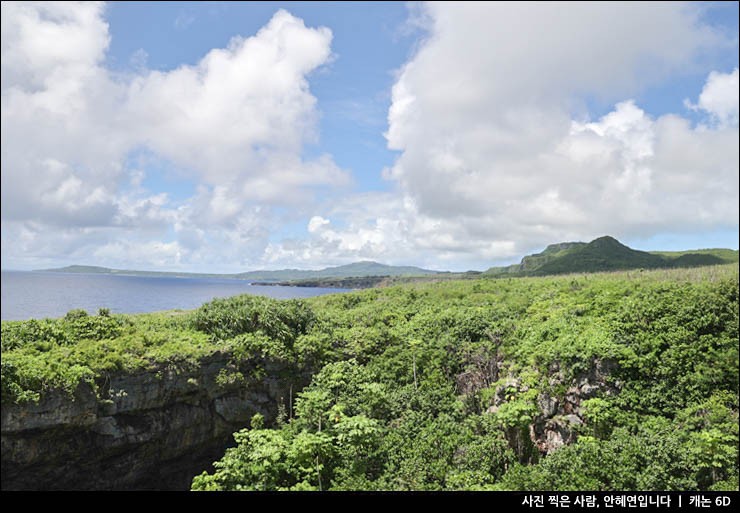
{"x": 229, "y": 317}
{"x": 75, "y": 314}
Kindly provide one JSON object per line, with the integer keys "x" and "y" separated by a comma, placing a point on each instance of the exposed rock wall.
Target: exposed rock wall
{"x": 147, "y": 430}
{"x": 559, "y": 417}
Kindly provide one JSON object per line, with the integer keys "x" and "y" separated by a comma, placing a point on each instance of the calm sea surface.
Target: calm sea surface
{"x": 28, "y": 294}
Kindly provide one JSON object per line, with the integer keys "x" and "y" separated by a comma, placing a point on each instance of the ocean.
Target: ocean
{"x": 36, "y": 295}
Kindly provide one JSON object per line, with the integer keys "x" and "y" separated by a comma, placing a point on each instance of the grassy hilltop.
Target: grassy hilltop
{"x": 608, "y": 254}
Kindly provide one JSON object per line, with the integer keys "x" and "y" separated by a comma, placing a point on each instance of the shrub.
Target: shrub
{"x": 229, "y": 317}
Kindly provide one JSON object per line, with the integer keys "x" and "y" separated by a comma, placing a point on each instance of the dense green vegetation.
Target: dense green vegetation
{"x": 452, "y": 385}
{"x": 727, "y": 256}
{"x": 43, "y": 355}
{"x": 602, "y": 254}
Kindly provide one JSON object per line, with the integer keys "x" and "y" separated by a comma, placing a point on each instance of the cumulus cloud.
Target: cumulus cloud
{"x": 61, "y": 148}
{"x": 46, "y": 42}
{"x": 719, "y": 98}
{"x": 387, "y": 227}
{"x": 243, "y": 112}
{"x": 653, "y": 174}
{"x": 235, "y": 123}
{"x": 316, "y": 222}
{"x": 374, "y": 226}
{"x": 490, "y": 150}
{"x": 497, "y": 153}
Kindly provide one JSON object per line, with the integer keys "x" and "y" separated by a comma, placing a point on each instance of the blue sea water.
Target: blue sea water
{"x": 35, "y": 295}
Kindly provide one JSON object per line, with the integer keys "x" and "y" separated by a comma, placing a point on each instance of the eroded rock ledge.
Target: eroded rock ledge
{"x": 146, "y": 430}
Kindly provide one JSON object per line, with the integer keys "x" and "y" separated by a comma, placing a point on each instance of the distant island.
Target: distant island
{"x": 602, "y": 254}
{"x": 353, "y": 270}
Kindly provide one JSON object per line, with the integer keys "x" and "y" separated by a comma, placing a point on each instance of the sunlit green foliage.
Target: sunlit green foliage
{"x": 409, "y": 373}
{"x": 438, "y": 385}
{"x": 280, "y": 320}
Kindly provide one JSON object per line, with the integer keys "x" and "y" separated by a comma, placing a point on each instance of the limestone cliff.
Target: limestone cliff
{"x": 559, "y": 416}
{"x": 152, "y": 429}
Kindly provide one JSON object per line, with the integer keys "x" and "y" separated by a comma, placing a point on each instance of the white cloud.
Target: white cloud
{"x": 149, "y": 253}
{"x": 62, "y": 148}
{"x": 243, "y": 113}
{"x": 316, "y": 222}
{"x": 653, "y": 174}
{"x": 491, "y": 155}
{"x": 374, "y": 228}
{"x": 719, "y": 98}
{"x": 48, "y": 42}
{"x": 492, "y": 161}
{"x": 386, "y": 227}
{"x": 235, "y": 123}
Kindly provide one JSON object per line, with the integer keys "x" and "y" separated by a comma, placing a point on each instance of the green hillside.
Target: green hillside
{"x": 552, "y": 252}
{"x": 602, "y": 254}
{"x": 695, "y": 260}
{"x": 531, "y": 263}
{"x": 608, "y": 254}
{"x": 727, "y": 256}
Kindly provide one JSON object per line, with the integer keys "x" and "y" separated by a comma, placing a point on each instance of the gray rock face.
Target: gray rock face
{"x": 148, "y": 430}
{"x": 558, "y": 418}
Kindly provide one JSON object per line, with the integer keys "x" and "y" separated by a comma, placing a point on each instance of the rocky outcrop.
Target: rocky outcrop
{"x": 558, "y": 418}
{"x": 146, "y": 430}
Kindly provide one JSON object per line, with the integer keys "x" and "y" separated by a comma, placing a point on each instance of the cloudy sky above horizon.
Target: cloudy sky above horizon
{"x": 222, "y": 137}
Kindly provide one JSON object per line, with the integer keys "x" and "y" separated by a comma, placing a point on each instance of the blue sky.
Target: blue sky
{"x": 225, "y": 136}
{"x": 371, "y": 40}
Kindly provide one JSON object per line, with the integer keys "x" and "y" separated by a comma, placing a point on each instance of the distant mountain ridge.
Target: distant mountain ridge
{"x": 608, "y": 254}
{"x": 356, "y": 269}
{"x": 602, "y": 254}
{"x": 353, "y": 270}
